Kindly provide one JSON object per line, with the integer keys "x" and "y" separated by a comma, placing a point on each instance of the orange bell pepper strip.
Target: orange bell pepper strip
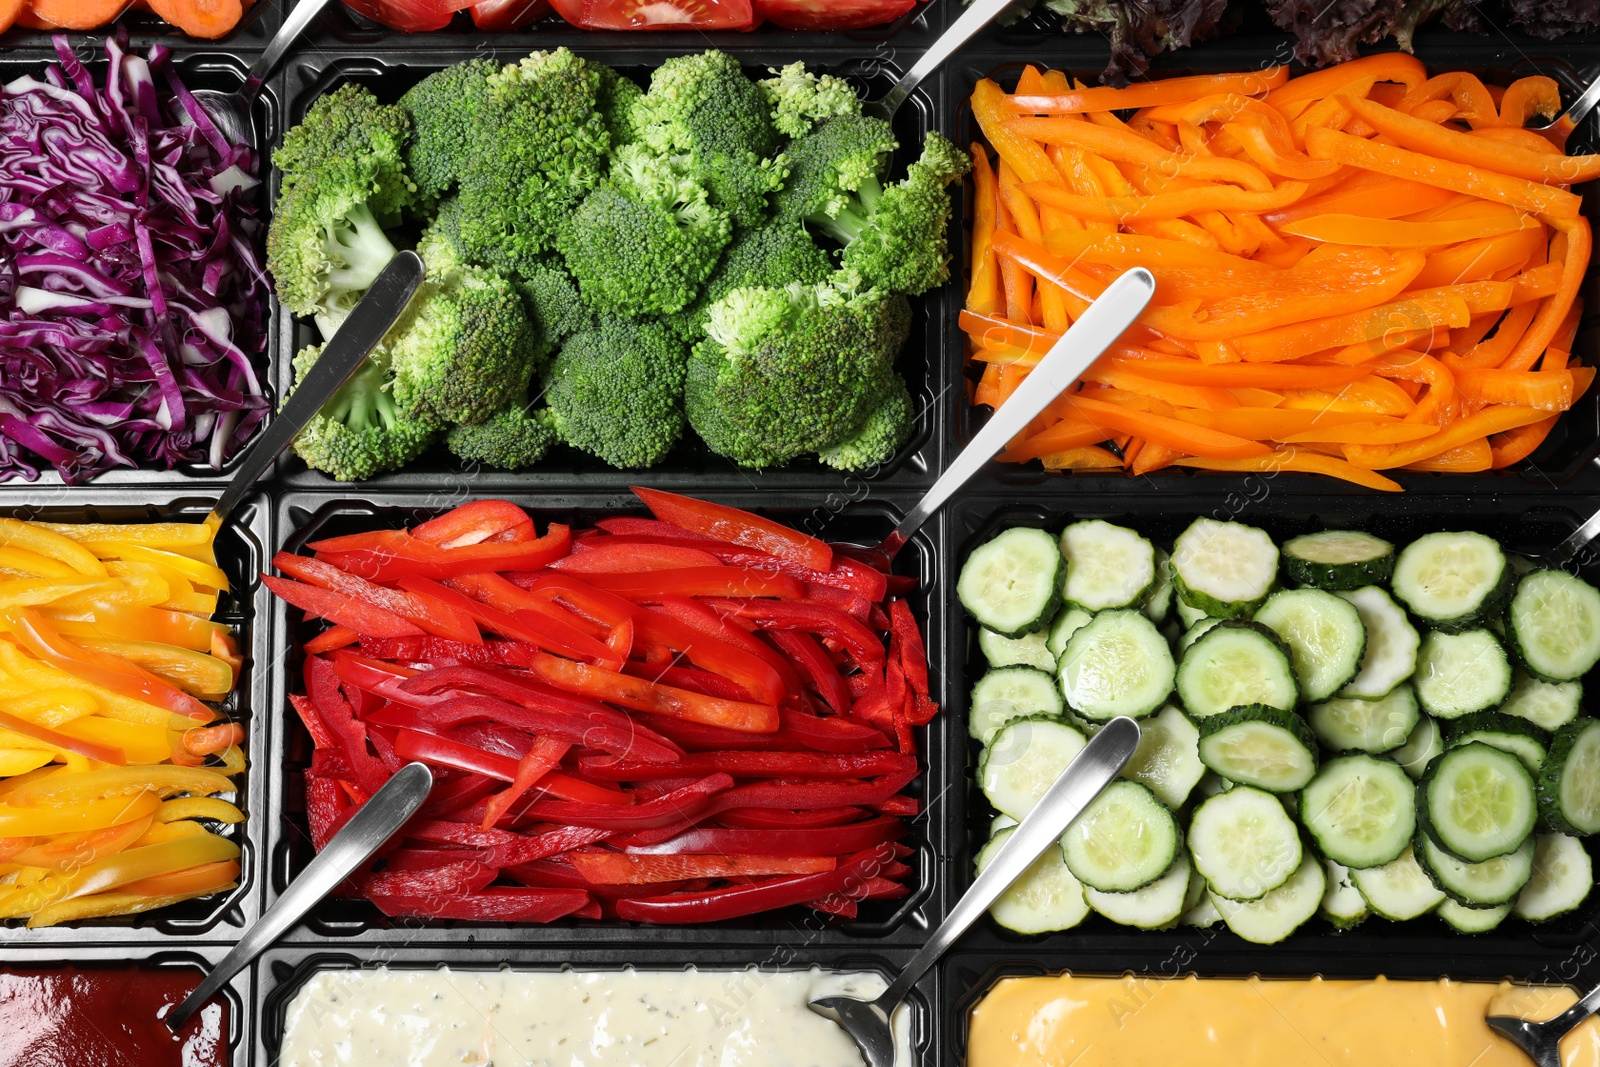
{"x": 1063, "y": 436}
{"x": 1475, "y": 260}
{"x": 1553, "y": 312}
{"x": 1267, "y": 424}
{"x": 1492, "y": 351}
{"x": 1356, "y": 77}
{"x": 1513, "y": 446}
{"x": 1153, "y": 457}
{"x": 1172, "y": 433}
{"x": 1011, "y": 379}
{"x": 1124, "y": 250}
{"x": 1527, "y": 97}
{"x": 111, "y": 672}
{"x": 1371, "y": 396}
{"x": 986, "y": 393}
{"x": 992, "y": 330}
{"x": 1080, "y": 288}
{"x": 1053, "y": 312}
{"x": 1472, "y": 456}
{"x": 1366, "y": 433}
{"x": 1527, "y": 140}
{"x": 1403, "y": 316}
{"x": 1125, "y": 146}
{"x": 991, "y": 109}
{"x": 1541, "y": 390}
{"x": 1300, "y": 460}
{"x": 1150, "y": 94}
{"x": 1446, "y": 174}
{"x": 1173, "y": 204}
{"x": 1226, "y": 375}
{"x": 1473, "y": 102}
{"x": 190, "y": 882}
{"x": 1266, "y": 139}
{"x": 984, "y": 293}
{"x": 68, "y": 852}
{"x": 1490, "y": 420}
{"x": 1410, "y": 131}
{"x": 1018, "y": 287}
{"x": 1394, "y": 233}
{"x": 1364, "y": 193}
{"x": 1431, "y": 111}
{"x": 1083, "y": 458}
{"x": 1422, "y": 369}
{"x": 1125, "y": 375}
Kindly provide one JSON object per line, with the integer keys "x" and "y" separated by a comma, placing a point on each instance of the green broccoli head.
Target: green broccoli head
{"x": 445, "y": 109}
{"x": 360, "y": 431}
{"x": 876, "y": 442}
{"x": 799, "y": 99}
{"x": 440, "y": 244}
{"x": 552, "y": 301}
{"x": 512, "y": 438}
{"x": 784, "y": 372}
{"x": 616, "y": 98}
{"x": 325, "y": 248}
{"x": 644, "y": 241}
{"x": 349, "y": 140}
{"x": 771, "y": 255}
{"x": 704, "y": 106}
{"x": 834, "y": 165}
{"x": 896, "y": 239}
{"x": 463, "y": 350}
{"x": 617, "y": 392}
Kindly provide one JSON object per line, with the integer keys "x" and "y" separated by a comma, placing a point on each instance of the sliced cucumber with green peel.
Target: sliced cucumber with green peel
{"x": 1548, "y": 705}
{"x": 1425, "y": 743}
{"x": 1555, "y": 625}
{"x": 1107, "y": 566}
{"x": 1048, "y": 897}
{"x": 1158, "y": 601}
{"x": 1244, "y": 843}
{"x": 1480, "y": 885}
{"x": 1342, "y": 903}
{"x": 1569, "y": 781}
{"x": 1203, "y": 914}
{"x": 1065, "y": 625}
{"x": 1563, "y": 875}
{"x": 1400, "y": 889}
{"x": 1477, "y": 802}
{"x": 1232, "y": 664}
{"x": 1452, "y": 581}
{"x": 1360, "y": 810}
{"x": 1391, "y": 655}
{"x": 1351, "y": 724}
{"x": 1008, "y": 693}
{"x": 1118, "y": 664}
{"x": 1167, "y": 760}
{"x": 1154, "y": 907}
{"x": 1187, "y": 615}
{"x": 1325, "y": 635}
{"x": 1280, "y": 912}
{"x": 1225, "y": 569}
{"x": 1460, "y": 673}
{"x": 1029, "y": 650}
{"x": 1023, "y": 760}
{"x": 1125, "y": 839}
{"x": 1195, "y": 632}
{"x": 1338, "y": 559}
{"x": 1468, "y": 920}
{"x": 1012, "y": 583}
{"x": 1509, "y": 734}
{"x": 1257, "y": 745}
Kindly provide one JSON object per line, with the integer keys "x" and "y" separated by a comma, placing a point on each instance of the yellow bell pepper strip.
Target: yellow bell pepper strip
{"x": 1353, "y": 78}
{"x": 1296, "y": 459}
{"x": 164, "y": 781}
{"x": 1125, "y": 146}
{"x": 983, "y": 294}
{"x": 166, "y": 535}
{"x": 34, "y": 564}
{"x": 199, "y": 808}
{"x": 1496, "y": 419}
{"x": 1149, "y": 94}
{"x": 191, "y": 882}
{"x": 1472, "y": 456}
{"x": 162, "y": 832}
{"x": 1474, "y": 104}
{"x": 16, "y": 821}
{"x": 1394, "y": 233}
{"x": 16, "y": 666}
{"x": 14, "y": 761}
{"x": 148, "y": 861}
{"x": 1541, "y": 390}
{"x": 114, "y": 903}
{"x": 110, "y": 672}
{"x": 15, "y": 533}
{"x": 1410, "y": 131}
{"x": 139, "y": 743}
{"x": 69, "y": 853}
{"x": 32, "y": 592}
{"x": 205, "y": 574}
{"x": 198, "y": 673}
{"x": 1446, "y": 174}
{"x": 1578, "y": 245}
{"x": 134, "y": 585}
{"x": 1168, "y": 205}
{"x": 1086, "y": 458}
{"x": 991, "y": 110}
{"x": 66, "y": 743}
{"x": 50, "y": 707}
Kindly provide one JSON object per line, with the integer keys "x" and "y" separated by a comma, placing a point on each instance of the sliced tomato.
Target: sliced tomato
{"x": 831, "y": 14}
{"x": 657, "y": 14}
{"x": 503, "y": 15}
{"x": 407, "y": 16}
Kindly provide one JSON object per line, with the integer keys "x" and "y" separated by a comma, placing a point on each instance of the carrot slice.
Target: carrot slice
{"x": 1151, "y": 94}
{"x": 208, "y": 19}
{"x": 1300, "y": 460}
{"x": 74, "y": 14}
{"x": 8, "y": 13}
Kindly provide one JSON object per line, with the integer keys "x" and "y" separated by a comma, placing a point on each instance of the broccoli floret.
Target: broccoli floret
{"x": 885, "y": 430}
{"x": 440, "y": 244}
{"x": 551, "y": 298}
{"x": 642, "y": 242}
{"x": 361, "y": 431}
{"x": 771, "y": 255}
{"x": 615, "y": 99}
{"x": 349, "y": 139}
{"x": 895, "y": 239}
{"x": 834, "y": 166}
{"x": 463, "y": 349}
{"x": 784, "y": 372}
{"x": 703, "y": 105}
{"x": 445, "y": 108}
{"x": 617, "y": 392}
{"x": 800, "y": 100}
{"x": 325, "y": 249}
{"x": 512, "y": 438}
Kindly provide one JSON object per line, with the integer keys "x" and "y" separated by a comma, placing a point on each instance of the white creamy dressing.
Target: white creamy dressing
{"x": 626, "y": 1018}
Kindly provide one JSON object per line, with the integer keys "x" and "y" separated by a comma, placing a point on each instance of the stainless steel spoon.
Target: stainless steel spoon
{"x": 870, "y": 1022}
{"x": 978, "y": 15}
{"x": 1542, "y": 1041}
{"x": 231, "y": 111}
{"x": 1577, "y": 111}
{"x": 385, "y": 812}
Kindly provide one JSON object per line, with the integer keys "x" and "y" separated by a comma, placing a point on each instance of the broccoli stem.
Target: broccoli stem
{"x": 847, "y": 225}
{"x": 360, "y": 248}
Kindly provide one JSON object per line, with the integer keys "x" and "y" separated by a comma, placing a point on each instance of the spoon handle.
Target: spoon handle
{"x": 1576, "y": 541}
{"x": 1101, "y": 760}
{"x": 351, "y": 343}
{"x": 977, "y": 15}
{"x": 1567, "y": 1020}
{"x": 293, "y": 26}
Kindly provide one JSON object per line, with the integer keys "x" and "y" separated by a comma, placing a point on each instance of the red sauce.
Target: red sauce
{"x": 106, "y": 1017}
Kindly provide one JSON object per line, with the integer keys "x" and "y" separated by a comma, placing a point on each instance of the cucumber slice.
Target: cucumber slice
{"x": 1520, "y": 738}
{"x": 1479, "y": 885}
{"x": 1282, "y": 911}
{"x": 1360, "y": 810}
{"x": 1460, "y": 673}
{"x": 1453, "y": 581}
{"x": 1232, "y": 664}
{"x": 1244, "y": 843}
{"x": 1158, "y": 601}
{"x": 1189, "y": 616}
{"x": 1195, "y": 632}
{"x": 1569, "y": 781}
{"x": 1023, "y": 761}
{"x": 1167, "y": 760}
{"x": 1477, "y": 802}
{"x": 1000, "y": 822}
{"x": 1047, "y": 897}
{"x": 1210, "y": 784}
{"x": 1202, "y": 914}
{"x": 1555, "y": 625}
{"x": 1225, "y": 569}
{"x": 1107, "y": 566}
{"x": 1154, "y": 907}
{"x": 1391, "y": 655}
{"x": 1398, "y": 890}
{"x": 1268, "y": 748}
{"x": 1029, "y": 650}
{"x": 1469, "y": 920}
{"x": 1548, "y": 705}
{"x": 1325, "y": 635}
{"x": 1012, "y": 583}
{"x": 1010, "y": 693}
{"x": 1349, "y": 724}
{"x": 1342, "y": 903}
{"x": 1118, "y": 664}
{"x": 1065, "y": 625}
{"x": 1563, "y": 875}
{"x": 1338, "y": 559}
{"x": 1426, "y": 742}
{"x": 1125, "y": 839}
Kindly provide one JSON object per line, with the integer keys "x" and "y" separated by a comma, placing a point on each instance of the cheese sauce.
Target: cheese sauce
{"x": 444, "y": 1018}
{"x": 1146, "y": 1022}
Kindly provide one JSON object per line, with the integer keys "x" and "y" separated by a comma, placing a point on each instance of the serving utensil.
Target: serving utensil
{"x": 1541, "y": 1041}
{"x": 231, "y": 110}
{"x": 870, "y": 1022}
{"x": 977, "y": 15}
{"x": 1576, "y": 112}
{"x": 372, "y": 825}
{"x": 1559, "y": 557}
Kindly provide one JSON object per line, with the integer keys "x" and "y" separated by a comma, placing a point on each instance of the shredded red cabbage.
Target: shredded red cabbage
{"x": 132, "y": 302}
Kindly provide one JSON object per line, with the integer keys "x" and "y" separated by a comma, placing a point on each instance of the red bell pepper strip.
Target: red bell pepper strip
{"x": 776, "y": 819}
{"x": 509, "y": 904}
{"x": 851, "y": 603}
{"x": 493, "y": 521}
{"x": 544, "y": 757}
{"x": 604, "y": 558}
{"x": 846, "y": 573}
{"x": 698, "y": 581}
{"x": 814, "y": 663}
{"x": 803, "y": 795}
{"x": 829, "y": 840}
{"x": 752, "y": 765}
{"x": 440, "y": 652}
{"x": 327, "y": 809}
{"x": 100, "y": 668}
{"x": 385, "y": 555}
{"x": 455, "y": 792}
{"x": 914, "y": 659}
{"x": 335, "y": 636}
{"x": 662, "y": 810}
{"x": 431, "y": 614}
{"x": 654, "y": 529}
{"x": 378, "y": 678}
{"x": 618, "y": 868}
{"x": 418, "y": 744}
{"x": 533, "y": 629}
{"x": 902, "y": 806}
{"x": 642, "y": 695}
{"x": 863, "y": 645}
{"x": 91, "y": 749}
{"x": 697, "y": 616}
{"x": 321, "y": 736}
{"x": 751, "y": 672}
{"x": 467, "y": 876}
{"x": 740, "y": 527}
{"x": 503, "y": 848}
{"x": 712, "y": 685}
{"x": 322, "y": 686}
{"x": 411, "y": 858}
{"x": 359, "y": 615}
{"x": 734, "y": 902}
{"x": 797, "y": 729}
